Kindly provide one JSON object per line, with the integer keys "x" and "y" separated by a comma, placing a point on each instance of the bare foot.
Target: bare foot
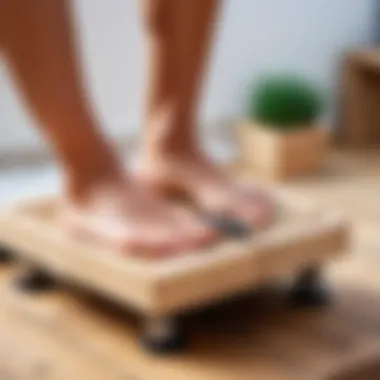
{"x": 127, "y": 218}
{"x": 195, "y": 176}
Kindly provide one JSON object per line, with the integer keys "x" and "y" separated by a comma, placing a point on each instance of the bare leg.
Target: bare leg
{"x": 159, "y": 29}
{"x": 173, "y": 157}
{"x": 102, "y": 201}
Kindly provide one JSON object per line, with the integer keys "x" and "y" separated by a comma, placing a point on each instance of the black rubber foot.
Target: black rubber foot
{"x": 175, "y": 344}
{"x": 35, "y": 281}
{"x": 6, "y": 255}
{"x": 229, "y": 227}
{"x": 309, "y": 291}
{"x": 315, "y": 296}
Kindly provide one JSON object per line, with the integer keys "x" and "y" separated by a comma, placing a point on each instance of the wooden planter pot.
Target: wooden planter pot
{"x": 277, "y": 155}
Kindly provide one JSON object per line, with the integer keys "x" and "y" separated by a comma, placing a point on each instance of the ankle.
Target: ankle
{"x": 169, "y": 136}
{"x": 80, "y": 188}
{"x": 172, "y": 148}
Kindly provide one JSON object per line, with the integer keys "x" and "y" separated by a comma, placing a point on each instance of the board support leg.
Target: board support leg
{"x": 34, "y": 280}
{"x": 162, "y": 335}
{"x": 6, "y": 255}
{"x": 309, "y": 289}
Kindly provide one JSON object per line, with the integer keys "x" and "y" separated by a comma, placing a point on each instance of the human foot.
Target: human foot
{"x": 126, "y": 217}
{"x": 195, "y": 176}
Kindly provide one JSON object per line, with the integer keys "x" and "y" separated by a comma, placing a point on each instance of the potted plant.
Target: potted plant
{"x": 282, "y": 137}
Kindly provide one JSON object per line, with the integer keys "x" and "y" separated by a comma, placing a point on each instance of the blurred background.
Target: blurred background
{"x": 254, "y": 36}
{"x": 326, "y": 139}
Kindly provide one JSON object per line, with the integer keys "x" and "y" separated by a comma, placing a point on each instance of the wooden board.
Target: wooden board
{"x": 256, "y": 337}
{"x": 6, "y": 339}
{"x": 302, "y": 236}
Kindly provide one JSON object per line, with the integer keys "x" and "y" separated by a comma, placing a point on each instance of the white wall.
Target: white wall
{"x": 255, "y": 35}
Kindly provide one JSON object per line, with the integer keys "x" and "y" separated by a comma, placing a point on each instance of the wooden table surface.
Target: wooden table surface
{"x": 260, "y": 336}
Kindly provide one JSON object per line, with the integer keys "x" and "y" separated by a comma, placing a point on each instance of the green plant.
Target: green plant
{"x": 285, "y": 102}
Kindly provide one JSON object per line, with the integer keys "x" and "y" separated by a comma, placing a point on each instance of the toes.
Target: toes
{"x": 203, "y": 235}
{"x": 257, "y": 212}
{"x": 253, "y": 209}
{"x": 141, "y": 241}
{"x": 146, "y": 247}
{"x": 163, "y": 243}
{"x": 193, "y": 231}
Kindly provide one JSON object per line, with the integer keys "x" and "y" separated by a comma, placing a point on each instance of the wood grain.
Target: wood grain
{"x": 276, "y": 155}
{"x": 302, "y": 236}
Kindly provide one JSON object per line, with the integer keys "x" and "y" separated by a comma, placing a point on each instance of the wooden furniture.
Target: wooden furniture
{"x": 359, "y": 126}
{"x": 298, "y": 244}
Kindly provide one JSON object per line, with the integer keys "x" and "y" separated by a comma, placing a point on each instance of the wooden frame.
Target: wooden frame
{"x": 302, "y": 237}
